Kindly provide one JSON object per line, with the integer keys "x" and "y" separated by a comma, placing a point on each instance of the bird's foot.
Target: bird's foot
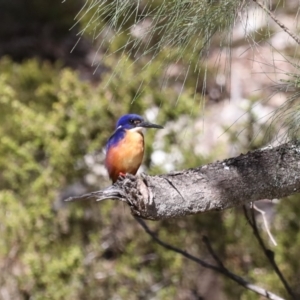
{"x": 121, "y": 175}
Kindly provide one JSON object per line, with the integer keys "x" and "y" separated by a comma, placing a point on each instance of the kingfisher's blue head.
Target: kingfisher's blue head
{"x": 134, "y": 122}
{"x": 130, "y": 122}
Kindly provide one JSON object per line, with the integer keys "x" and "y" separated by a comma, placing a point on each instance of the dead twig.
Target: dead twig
{"x": 263, "y": 214}
{"x": 220, "y": 269}
{"x": 268, "y": 253}
{"x": 212, "y": 252}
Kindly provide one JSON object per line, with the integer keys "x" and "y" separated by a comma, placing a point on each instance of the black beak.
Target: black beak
{"x": 148, "y": 125}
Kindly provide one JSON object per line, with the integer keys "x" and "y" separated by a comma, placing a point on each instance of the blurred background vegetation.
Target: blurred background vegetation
{"x": 57, "y": 111}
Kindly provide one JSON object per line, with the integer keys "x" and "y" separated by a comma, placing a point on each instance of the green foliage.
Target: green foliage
{"x": 183, "y": 24}
{"x": 161, "y": 34}
{"x": 50, "y": 121}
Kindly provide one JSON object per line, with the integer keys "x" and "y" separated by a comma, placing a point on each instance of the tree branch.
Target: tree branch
{"x": 261, "y": 174}
{"x": 281, "y": 25}
{"x": 220, "y": 269}
{"x": 268, "y": 253}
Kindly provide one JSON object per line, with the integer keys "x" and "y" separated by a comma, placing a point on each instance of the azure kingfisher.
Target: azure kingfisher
{"x": 125, "y": 147}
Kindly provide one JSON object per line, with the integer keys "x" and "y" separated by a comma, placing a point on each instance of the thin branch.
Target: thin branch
{"x": 281, "y": 25}
{"x": 263, "y": 214}
{"x": 212, "y": 252}
{"x": 111, "y": 192}
{"x": 268, "y": 253}
{"x": 221, "y": 269}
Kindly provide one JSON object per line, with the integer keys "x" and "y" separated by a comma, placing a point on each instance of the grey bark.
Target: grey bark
{"x": 261, "y": 174}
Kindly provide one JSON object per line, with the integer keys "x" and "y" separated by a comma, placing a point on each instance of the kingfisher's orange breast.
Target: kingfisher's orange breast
{"x": 126, "y": 156}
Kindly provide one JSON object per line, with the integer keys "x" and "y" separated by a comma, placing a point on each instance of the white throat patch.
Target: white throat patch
{"x": 137, "y": 129}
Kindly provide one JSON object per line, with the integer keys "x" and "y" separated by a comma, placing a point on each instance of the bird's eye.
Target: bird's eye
{"x": 131, "y": 121}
